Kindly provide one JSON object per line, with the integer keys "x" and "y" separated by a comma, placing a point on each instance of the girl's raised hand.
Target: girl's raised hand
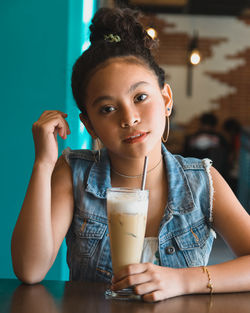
{"x": 45, "y": 132}
{"x": 152, "y": 282}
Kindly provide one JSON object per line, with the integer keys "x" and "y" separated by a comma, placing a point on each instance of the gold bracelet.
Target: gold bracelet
{"x": 209, "y": 284}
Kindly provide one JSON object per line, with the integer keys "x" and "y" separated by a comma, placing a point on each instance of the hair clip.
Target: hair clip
{"x": 112, "y": 38}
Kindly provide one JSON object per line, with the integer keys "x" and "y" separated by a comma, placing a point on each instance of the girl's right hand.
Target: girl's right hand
{"x": 45, "y": 132}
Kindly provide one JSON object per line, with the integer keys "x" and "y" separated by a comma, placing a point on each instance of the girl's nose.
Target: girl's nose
{"x": 129, "y": 118}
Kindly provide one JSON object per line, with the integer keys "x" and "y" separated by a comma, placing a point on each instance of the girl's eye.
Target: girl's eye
{"x": 107, "y": 109}
{"x": 140, "y": 97}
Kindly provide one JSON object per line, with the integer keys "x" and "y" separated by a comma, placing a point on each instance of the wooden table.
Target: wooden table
{"x": 86, "y": 297}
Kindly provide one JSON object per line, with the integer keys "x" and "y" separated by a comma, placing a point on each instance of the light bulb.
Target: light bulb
{"x": 152, "y": 32}
{"x": 195, "y": 57}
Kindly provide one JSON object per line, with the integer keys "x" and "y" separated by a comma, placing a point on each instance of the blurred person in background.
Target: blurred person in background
{"x": 232, "y": 129}
{"x": 207, "y": 142}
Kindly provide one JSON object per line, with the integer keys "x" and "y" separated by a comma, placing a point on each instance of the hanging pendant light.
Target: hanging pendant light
{"x": 194, "y": 58}
{"x": 152, "y": 32}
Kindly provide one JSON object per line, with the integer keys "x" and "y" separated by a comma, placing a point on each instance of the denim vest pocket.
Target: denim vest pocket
{"x": 89, "y": 233}
{"x": 195, "y": 244}
{"x": 90, "y": 250}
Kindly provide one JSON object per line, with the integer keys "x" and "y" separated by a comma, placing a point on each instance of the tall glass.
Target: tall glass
{"x": 127, "y": 215}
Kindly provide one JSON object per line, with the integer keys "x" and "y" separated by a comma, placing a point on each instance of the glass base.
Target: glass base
{"x": 124, "y": 294}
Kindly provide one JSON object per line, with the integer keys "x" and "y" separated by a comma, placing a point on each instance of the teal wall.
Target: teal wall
{"x": 39, "y": 42}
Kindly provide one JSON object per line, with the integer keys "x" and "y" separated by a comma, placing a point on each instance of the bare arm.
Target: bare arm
{"x": 47, "y": 208}
{"x": 232, "y": 222}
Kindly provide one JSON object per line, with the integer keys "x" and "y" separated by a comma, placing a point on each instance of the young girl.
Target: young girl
{"x": 125, "y": 103}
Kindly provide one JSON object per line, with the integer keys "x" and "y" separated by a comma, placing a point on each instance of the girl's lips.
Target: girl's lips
{"x": 136, "y": 138}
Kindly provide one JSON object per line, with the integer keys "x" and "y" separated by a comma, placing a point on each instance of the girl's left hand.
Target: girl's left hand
{"x": 153, "y": 282}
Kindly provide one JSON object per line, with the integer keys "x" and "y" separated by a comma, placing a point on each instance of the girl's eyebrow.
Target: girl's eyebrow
{"x": 101, "y": 98}
{"x": 134, "y": 86}
{"x": 109, "y": 98}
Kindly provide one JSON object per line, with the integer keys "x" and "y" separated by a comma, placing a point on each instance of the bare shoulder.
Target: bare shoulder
{"x": 231, "y": 220}
{"x": 62, "y": 170}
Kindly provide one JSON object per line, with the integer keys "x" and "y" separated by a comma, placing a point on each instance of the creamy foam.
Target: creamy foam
{"x": 128, "y": 206}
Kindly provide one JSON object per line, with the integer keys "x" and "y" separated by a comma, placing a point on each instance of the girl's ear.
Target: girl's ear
{"x": 86, "y": 122}
{"x": 168, "y": 99}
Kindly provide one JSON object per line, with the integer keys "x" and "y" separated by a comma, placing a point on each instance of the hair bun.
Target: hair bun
{"x": 122, "y": 22}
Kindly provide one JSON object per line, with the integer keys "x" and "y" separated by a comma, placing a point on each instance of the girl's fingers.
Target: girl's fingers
{"x": 148, "y": 280}
{"x": 50, "y": 112}
{"x": 145, "y": 288}
{"x": 61, "y": 131}
{"x": 66, "y": 126}
{"x": 131, "y": 269}
{"x": 154, "y": 296}
{"x": 136, "y": 274}
{"x": 52, "y": 120}
{"x": 45, "y": 131}
{"x": 51, "y": 115}
{"x": 132, "y": 280}
{"x": 63, "y": 128}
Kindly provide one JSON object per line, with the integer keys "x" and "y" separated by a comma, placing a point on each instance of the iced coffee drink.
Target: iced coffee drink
{"x": 127, "y": 215}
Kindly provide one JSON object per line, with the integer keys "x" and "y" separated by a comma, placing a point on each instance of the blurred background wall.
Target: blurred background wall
{"x": 220, "y": 80}
{"x": 40, "y": 40}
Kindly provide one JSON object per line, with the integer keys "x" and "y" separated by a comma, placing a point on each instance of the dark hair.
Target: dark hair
{"x": 134, "y": 41}
{"x": 209, "y": 119}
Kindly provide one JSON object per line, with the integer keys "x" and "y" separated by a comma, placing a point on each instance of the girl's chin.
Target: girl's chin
{"x": 137, "y": 151}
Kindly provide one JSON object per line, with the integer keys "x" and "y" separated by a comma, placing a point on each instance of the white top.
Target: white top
{"x": 150, "y": 251}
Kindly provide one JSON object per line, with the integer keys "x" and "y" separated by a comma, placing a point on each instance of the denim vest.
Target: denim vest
{"x": 185, "y": 235}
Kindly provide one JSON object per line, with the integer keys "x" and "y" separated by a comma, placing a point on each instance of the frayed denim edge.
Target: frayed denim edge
{"x": 207, "y": 164}
{"x": 65, "y": 154}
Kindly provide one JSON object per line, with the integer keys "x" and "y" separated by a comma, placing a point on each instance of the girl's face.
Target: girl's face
{"x": 126, "y": 108}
